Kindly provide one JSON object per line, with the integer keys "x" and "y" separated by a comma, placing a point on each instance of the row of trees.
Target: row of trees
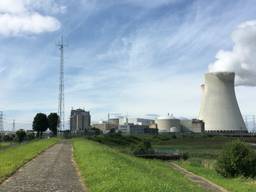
{"x": 42, "y": 122}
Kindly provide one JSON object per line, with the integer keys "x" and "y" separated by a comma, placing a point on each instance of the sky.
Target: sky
{"x": 122, "y": 56}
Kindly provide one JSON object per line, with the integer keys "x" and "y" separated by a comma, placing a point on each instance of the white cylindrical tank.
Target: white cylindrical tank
{"x": 219, "y": 108}
{"x": 175, "y": 130}
{"x": 168, "y": 123}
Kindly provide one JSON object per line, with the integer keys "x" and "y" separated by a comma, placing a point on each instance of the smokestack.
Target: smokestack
{"x": 219, "y": 108}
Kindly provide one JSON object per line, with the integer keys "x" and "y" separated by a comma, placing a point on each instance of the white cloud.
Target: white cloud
{"x": 150, "y": 4}
{"x": 242, "y": 58}
{"x": 21, "y": 17}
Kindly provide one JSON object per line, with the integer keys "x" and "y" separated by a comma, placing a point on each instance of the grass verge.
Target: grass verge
{"x": 4, "y": 144}
{"x": 106, "y": 169}
{"x": 208, "y": 172}
{"x": 14, "y": 157}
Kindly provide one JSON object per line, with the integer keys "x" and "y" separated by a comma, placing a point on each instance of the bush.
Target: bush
{"x": 21, "y": 135}
{"x": 30, "y": 135}
{"x": 185, "y": 156}
{"x": 8, "y": 137}
{"x": 143, "y": 148}
{"x": 237, "y": 159}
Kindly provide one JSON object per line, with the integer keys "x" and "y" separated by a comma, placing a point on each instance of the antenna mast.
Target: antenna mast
{"x": 61, "y": 107}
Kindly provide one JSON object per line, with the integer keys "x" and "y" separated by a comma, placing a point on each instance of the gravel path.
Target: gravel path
{"x": 204, "y": 183}
{"x": 53, "y": 170}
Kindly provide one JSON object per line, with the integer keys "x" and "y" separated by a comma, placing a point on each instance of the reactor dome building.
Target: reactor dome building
{"x": 219, "y": 108}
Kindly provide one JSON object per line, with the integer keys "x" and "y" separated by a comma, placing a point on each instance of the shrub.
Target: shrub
{"x": 8, "y": 137}
{"x": 185, "y": 156}
{"x": 237, "y": 159}
{"x": 30, "y": 135}
{"x": 21, "y": 135}
{"x": 143, "y": 148}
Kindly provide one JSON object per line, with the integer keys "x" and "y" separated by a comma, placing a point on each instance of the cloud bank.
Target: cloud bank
{"x": 22, "y": 17}
{"x": 242, "y": 58}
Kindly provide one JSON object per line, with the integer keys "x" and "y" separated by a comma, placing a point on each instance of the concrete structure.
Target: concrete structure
{"x": 153, "y": 126}
{"x": 140, "y": 121}
{"x": 175, "y": 129}
{"x": 135, "y": 121}
{"x": 192, "y": 125}
{"x": 131, "y": 129}
{"x": 104, "y": 126}
{"x": 166, "y": 123}
{"x": 80, "y": 121}
{"x": 219, "y": 108}
{"x": 114, "y": 121}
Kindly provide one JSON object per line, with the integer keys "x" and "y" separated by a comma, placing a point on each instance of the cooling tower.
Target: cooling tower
{"x": 219, "y": 108}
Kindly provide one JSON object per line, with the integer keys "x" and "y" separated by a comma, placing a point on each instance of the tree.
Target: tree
{"x": 40, "y": 124}
{"x": 21, "y": 135}
{"x": 53, "y": 120}
{"x": 237, "y": 159}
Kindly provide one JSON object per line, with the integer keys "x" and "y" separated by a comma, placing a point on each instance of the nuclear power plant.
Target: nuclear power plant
{"x": 219, "y": 108}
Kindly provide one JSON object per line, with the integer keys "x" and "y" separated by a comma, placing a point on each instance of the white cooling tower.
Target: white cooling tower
{"x": 219, "y": 108}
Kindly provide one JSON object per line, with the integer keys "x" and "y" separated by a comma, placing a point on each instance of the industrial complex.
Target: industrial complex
{"x": 219, "y": 113}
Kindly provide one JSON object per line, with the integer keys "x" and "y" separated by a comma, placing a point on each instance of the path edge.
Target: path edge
{"x": 81, "y": 179}
{"x": 180, "y": 169}
{"x": 5, "y": 178}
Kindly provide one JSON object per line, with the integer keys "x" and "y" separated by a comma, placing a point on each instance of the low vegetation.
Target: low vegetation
{"x": 237, "y": 159}
{"x": 106, "y": 169}
{"x": 21, "y": 135}
{"x": 202, "y": 152}
{"x": 206, "y": 169}
{"x": 14, "y": 157}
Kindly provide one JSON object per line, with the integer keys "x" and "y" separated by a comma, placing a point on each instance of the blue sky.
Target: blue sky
{"x": 129, "y": 56}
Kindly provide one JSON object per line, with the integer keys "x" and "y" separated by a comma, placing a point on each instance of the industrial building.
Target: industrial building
{"x": 167, "y": 124}
{"x": 131, "y": 129}
{"x": 105, "y": 126}
{"x": 192, "y": 125}
{"x": 219, "y": 108}
{"x": 80, "y": 121}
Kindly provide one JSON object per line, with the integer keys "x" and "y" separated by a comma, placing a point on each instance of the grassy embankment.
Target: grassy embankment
{"x": 14, "y": 157}
{"x": 203, "y": 152}
{"x": 106, "y": 169}
{"x": 4, "y": 144}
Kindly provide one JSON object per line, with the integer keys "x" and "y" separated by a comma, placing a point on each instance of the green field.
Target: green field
{"x": 203, "y": 153}
{"x": 14, "y": 157}
{"x": 106, "y": 169}
{"x": 4, "y": 144}
{"x": 206, "y": 169}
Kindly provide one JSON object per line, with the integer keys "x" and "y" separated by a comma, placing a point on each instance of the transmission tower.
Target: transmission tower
{"x": 61, "y": 107}
{"x": 1, "y": 121}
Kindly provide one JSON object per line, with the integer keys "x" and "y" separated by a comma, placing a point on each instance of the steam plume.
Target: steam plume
{"x": 242, "y": 58}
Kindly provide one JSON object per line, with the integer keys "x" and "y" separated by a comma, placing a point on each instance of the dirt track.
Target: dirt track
{"x": 53, "y": 170}
{"x": 204, "y": 183}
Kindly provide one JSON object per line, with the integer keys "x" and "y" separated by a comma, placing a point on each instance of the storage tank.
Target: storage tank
{"x": 219, "y": 108}
{"x": 175, "y": 129}
{"x": 168, "y": 124}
